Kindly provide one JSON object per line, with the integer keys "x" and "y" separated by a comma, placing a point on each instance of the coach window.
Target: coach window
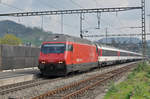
{"x": 109, "y": 53}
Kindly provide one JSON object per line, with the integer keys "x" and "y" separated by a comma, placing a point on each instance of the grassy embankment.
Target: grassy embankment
{"x": 136, "y": 86}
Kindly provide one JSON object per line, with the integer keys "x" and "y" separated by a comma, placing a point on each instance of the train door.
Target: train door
{"x": 70, "y": 50}
{"x": 97, "y": 55}
{"x": 118, "y": 54}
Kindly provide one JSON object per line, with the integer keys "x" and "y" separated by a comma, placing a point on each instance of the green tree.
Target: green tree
{"x": 10, "y": 39}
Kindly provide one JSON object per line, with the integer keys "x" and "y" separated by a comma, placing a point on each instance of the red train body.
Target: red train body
{"x": 61, "y": 55}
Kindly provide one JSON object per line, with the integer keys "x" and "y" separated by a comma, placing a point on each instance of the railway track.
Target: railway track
{"x": 23, "y": 85}
{"x": 76, "y": 88}
{"x": 27, "y": 84}
{"x": 10, "y": 89}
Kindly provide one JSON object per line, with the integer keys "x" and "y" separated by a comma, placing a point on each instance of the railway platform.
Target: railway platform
{"x": 11, "y": 77}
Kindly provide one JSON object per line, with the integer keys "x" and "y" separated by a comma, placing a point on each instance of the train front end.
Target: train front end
{"x": 52, "y": 59}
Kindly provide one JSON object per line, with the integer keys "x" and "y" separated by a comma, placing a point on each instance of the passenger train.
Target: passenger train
{"x": 62, "y": 54}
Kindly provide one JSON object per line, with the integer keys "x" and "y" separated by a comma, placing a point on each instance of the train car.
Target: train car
{"x": 61, "y": 54}
{"x": 109, "y": 55}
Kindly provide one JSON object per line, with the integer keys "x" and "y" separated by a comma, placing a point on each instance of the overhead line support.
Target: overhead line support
{"x": 104, "y": 35}
{"x": 76, "y": 11}
{"x": 81, "y": 31}
{"x": 143, "y": 28}
{"x": 96, "y": 10}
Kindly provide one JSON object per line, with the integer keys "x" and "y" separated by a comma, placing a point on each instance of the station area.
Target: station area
{"x": 12, "y": 77}
{"x": 18, "y": 64}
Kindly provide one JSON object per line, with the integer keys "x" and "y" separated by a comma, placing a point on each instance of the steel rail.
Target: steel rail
{"x": 80, "y": 91}
{"x": 23, "y": 85}
{"x": 17, "y": 84}
{"x": 76, "y": 84}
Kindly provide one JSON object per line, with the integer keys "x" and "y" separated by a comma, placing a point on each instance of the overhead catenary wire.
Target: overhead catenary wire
{"x": 82, "y": 17}
{"x": 117, "y": 19}
{"x": 56, "y": 8}
{"x": 79, "y": 7}
{"x": 42, "y": 18}
{"x": 116, "y": 16}
{"x": 97, "y": 4}
{"x": 98, "y": 17}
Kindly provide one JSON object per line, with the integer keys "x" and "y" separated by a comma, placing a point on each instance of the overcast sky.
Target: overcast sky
{"x": 115, "y": 22}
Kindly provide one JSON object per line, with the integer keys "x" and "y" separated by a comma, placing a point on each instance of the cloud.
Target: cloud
{"x": 104, "y": 3}
{"x": 71, "y": 22}
{"x": 8, "y": 1}
{"x": 113, "y": 3}
{"x": 52, "y": 23}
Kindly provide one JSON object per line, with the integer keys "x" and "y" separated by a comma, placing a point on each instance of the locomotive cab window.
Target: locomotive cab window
{"x": 53, "y": 48}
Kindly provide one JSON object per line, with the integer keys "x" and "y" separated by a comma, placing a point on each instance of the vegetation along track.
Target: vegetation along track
{"x": 76, "y": 88}
{"x": 23, "y": 85}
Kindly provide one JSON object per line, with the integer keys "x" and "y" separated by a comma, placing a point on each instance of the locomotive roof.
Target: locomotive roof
{"x": 64, "y": 38}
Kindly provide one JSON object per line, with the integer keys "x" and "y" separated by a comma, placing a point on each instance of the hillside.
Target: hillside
{"x": 27, "y": 34}
{"x": 36, "y": 36}
{"x": 126, "y": 40}
{"x": 126, "y": 43}
{"x": 121, "y": 40}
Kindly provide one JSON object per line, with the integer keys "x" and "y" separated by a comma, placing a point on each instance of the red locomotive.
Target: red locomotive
{"x": 61, "y": 54}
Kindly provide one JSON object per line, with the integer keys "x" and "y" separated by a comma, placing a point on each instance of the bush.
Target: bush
{"x": 10, "y": 39}
{"x": 148, "y": 74}
{"x": 128, "y": 95}
{"x": 131, "y": 75}
{"x": 141, "y": 67}
{"x": 138, "y": 91}
{"x": 113, "y": 88}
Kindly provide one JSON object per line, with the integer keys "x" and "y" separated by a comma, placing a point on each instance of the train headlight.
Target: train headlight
{"x": 60, "y": 62}
{"x": 43, "y": 62}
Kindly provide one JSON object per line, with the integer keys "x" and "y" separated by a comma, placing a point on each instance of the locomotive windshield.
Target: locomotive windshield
{"x": 53, "y": 48}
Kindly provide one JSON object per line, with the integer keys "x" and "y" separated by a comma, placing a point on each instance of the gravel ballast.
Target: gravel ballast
{"x": 38, "y": 90}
